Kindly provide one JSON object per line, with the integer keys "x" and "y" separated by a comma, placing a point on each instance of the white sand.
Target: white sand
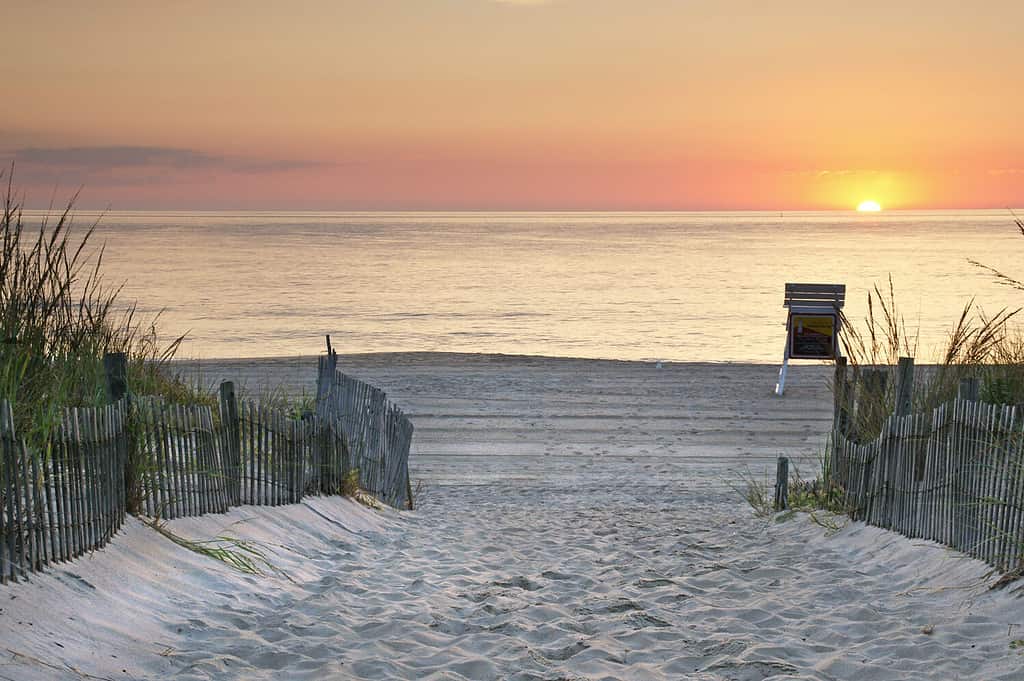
{"x": 577, "y": 523}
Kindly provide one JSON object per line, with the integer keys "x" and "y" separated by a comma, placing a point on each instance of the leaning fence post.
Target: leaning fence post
{"x": 229, "y": 422}
{"x": 841, "y": 410}
{"x": 905, "y": 386}
{"x": 115, "y": 364}
{"x": 332, "y": 355}
{"x": 782, "y": 484}
{"x": 970, "y": 389}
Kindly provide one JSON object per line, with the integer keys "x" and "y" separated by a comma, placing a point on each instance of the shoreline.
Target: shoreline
{"x": 507, "y": 409}
{"x": 426, "y": 354}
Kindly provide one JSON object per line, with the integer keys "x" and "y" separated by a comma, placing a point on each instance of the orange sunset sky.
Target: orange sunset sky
{"x": 484, "y": 104}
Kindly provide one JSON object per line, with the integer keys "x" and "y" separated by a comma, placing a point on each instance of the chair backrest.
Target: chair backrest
{"x": 823, "y": 295}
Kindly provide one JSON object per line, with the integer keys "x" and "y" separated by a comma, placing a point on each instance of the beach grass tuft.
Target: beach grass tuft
{"x": 239, "y": 554}
{"x": 821, "y": 501}
{"x": 350, "y": 483}
{"x": 757, "y": 492}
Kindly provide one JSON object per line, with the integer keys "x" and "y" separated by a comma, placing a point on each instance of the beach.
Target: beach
{"x": 480, "y": 305}
{"x": 475, "y": 414}
{"x": 576, "y": 519}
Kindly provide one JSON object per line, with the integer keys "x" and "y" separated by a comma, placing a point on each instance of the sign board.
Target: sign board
{"x": 812, "y": 324}
{"x": 812, "y": 336}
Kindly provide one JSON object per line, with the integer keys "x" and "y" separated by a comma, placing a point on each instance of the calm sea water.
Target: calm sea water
{"x": 672, "y": 286}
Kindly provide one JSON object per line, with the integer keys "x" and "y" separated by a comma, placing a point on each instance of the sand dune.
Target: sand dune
{"x": 577, "y": 522}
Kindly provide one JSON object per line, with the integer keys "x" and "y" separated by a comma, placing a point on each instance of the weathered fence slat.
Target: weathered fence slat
{"x": 79, "y": 463}
{"x": 165, "y": 421}
{"x": 250, "y": 449}
{"x": 38, "y": 513}
{"x": 159, "y": 497}
{"x": 193, "y": 443}
{"x": 5, "y": 495}
{"x": 10, "y": 527}
{"x": 57, "y": 463}
{"x": 277, "y": 430}
{"x": 67, "y": 489}
{"x": 1015, "y": 525}
{"x": 9, "y": 554}
{"x": 999, "y": 487}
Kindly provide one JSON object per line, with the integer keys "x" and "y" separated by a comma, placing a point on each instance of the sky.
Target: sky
{"x": 515, "y": 104}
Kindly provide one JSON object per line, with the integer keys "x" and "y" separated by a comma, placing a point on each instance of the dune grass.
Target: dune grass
{"x": 978, "y": 345}
{"x": 59, "y": 316}
{"x": 823, "y": 503}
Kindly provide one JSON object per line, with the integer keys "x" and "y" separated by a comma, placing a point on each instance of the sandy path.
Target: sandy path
{"x": 596, "y": 576}
{"x": 577, "y": 523}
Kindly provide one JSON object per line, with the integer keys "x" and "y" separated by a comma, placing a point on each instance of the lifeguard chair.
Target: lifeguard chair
{"x": 812, "y": 325}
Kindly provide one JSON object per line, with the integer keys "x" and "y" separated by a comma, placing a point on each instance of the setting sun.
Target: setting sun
{"x": 869, "y": 207}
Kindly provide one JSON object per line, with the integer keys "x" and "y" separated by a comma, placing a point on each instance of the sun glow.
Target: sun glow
{"x": 869, "y": 207}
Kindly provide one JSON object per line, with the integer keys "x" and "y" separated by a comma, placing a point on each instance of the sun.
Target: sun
{"x": 869, "y": 207}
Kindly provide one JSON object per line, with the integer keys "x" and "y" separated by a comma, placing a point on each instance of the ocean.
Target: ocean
{"x": 636, "y": 286}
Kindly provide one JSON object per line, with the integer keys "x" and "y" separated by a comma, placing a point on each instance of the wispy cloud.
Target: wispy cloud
{"x": 822, "y": 173}
{"x": 116, "y": 156}
{"x": 84, "y": 159}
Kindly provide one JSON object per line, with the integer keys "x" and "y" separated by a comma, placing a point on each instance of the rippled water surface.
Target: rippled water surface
{"x": 678, "y": 286}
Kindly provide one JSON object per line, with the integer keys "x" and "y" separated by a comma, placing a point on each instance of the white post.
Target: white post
{"x": 780, "y": 387}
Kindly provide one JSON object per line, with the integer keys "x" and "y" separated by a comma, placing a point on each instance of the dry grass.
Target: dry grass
{"x": 978, "y": 345}
{"x": 58, "y": 317}
{"x": 822, "y": 502}
{"x": 1001, "y": 278}
{"x": 239, "y": 554}
{"x": 756, "y": 492}
{"x": 350, "y": 483}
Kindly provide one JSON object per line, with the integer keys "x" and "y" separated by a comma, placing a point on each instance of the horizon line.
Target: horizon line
{"x": 1012, "y": 210}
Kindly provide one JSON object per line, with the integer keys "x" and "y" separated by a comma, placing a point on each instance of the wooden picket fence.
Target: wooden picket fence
{"x": 70, "y": 499}
{"x": 284, "y": 459}
{"x": 165, "y": 461}
{"x": 954, "y": 476}
{"x": 183, "y": 465}
{"x": 376, "y": 432}
{"x": 192, "y": 464}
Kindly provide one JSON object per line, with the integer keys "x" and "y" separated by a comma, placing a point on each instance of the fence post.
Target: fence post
{"x": 332, "y": 355}
{"x": 970, "y": 389}
{"x": 905, "y": 386}
{"x": 115, "y": 364}
{"x": 327, "y": 367}
{"x": 840, "y": 412}
{"x": 782, "y": 484}
{"x": 229, "y": 422}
